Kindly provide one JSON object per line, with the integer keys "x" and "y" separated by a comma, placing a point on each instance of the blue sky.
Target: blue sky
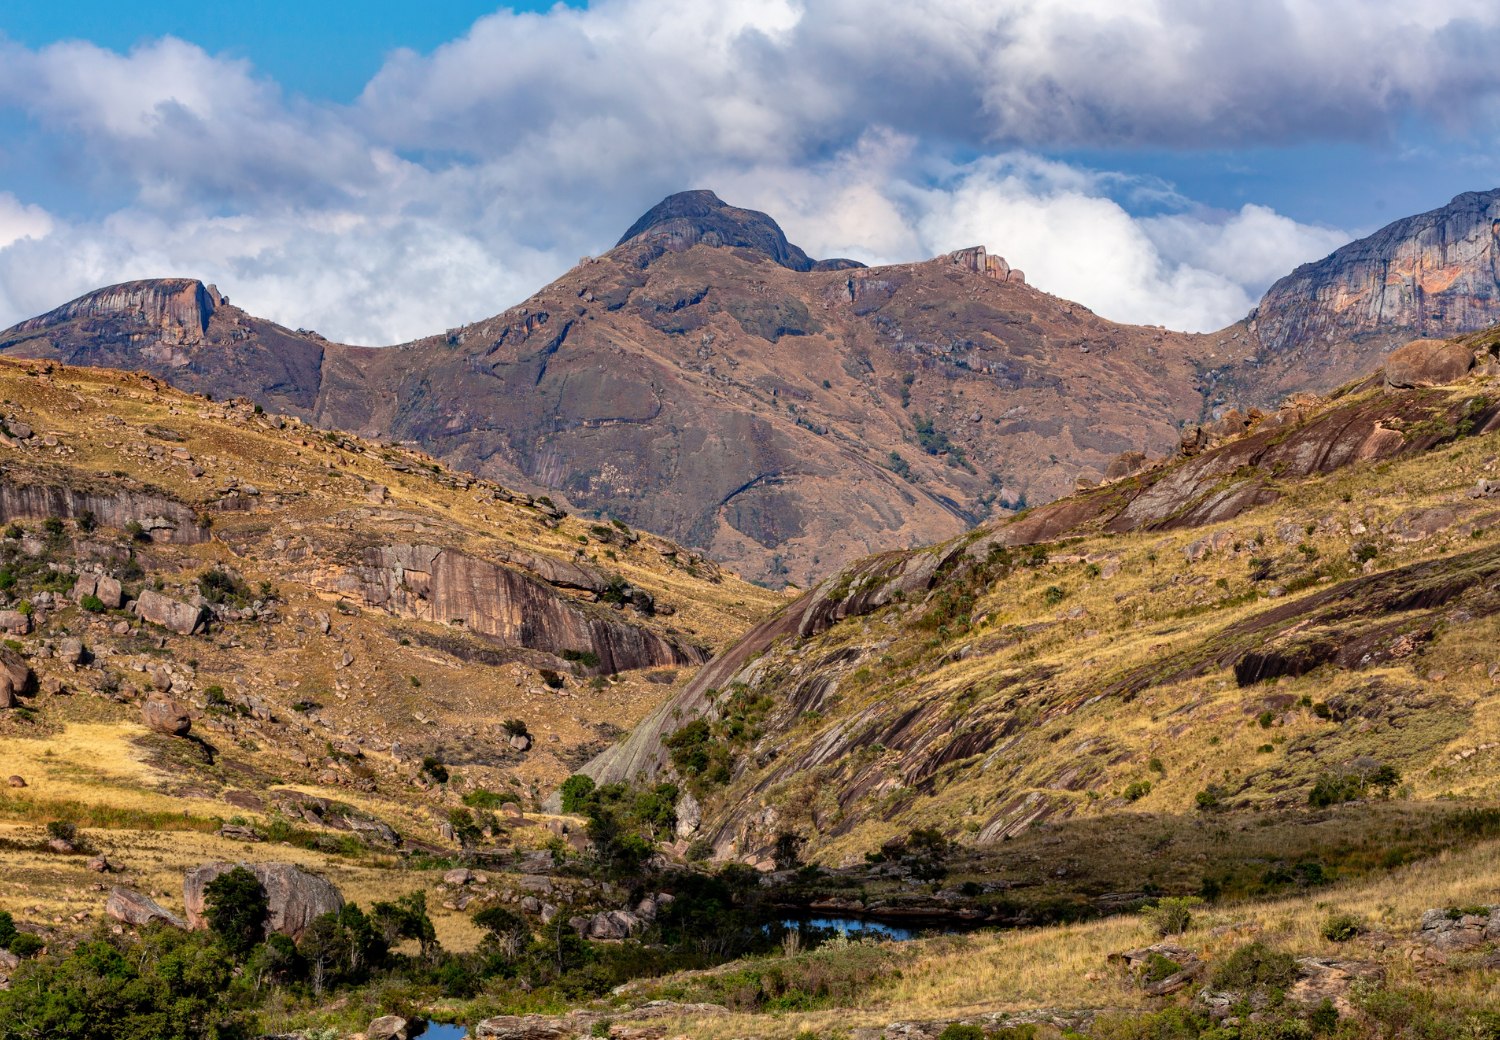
{"x": 383, "y": 170}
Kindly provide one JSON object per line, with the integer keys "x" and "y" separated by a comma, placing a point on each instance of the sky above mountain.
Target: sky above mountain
{"x": 384, "y": 170}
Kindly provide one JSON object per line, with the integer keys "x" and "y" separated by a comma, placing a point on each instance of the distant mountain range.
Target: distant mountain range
{"x": 708, "y": 380}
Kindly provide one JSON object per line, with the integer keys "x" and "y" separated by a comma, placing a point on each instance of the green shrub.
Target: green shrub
{"x": 1136, "y": 791}
{"x": 1342, "y": 927}
{"x": 8, "y": 931}
{"x": 1171, "y": 915}
{"x": 576, "y": 792}
{"x": 955, "y": 1031}
{"x": 1256, "y": 968}
{"x": 92, "y": 603}
{"x": 1159, "y": 968}
{"x": 25, "y": 945}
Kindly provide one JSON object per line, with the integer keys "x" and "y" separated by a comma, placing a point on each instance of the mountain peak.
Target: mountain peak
{"x": 681, "y": 221}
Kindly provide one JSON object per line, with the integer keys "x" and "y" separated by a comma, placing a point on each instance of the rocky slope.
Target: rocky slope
{"x": 706, "y": 379}
{"x": 345, "y": 608}
{"x": 1310, "y": 597}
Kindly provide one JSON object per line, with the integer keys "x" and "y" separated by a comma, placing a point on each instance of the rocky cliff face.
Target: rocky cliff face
{"x": 448, "y": 586}
{"x": 1435, "y": 274}
{"x": 165, "y": 311}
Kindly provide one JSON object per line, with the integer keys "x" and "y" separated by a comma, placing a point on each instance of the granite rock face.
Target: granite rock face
{"x": 1431, "y": 275}
{"x": 504, "y": 604}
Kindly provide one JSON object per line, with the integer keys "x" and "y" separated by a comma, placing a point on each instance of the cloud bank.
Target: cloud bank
{"x": 463, "y": 179}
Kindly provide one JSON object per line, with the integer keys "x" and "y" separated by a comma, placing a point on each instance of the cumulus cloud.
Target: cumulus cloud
{"x": 885, "y": 130}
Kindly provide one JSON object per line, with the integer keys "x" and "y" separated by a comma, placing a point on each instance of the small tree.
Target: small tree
{"x": 576, "y": 791}
{"x": 406, "y": 918}
{"x": 236, "y": 909}
{"x": 505, "y": 932}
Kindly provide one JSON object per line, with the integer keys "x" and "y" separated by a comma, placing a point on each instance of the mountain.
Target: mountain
{"x": 1288, "y": 606}
{"x": 707, "y": 380}
{"x": 1435, "y": 274}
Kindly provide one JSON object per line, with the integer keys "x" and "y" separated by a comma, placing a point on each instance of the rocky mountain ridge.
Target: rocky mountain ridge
{"x": 786, "y": 415}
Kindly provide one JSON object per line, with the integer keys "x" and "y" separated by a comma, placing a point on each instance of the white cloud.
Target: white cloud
{"x": 462, "y": 179}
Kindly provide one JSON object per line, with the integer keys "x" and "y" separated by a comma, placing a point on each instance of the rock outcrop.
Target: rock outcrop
{"x": 295, "y": 898}
{"x": 106, "y": 589}
{"x": 504, "y": 604}
{"x": 165, "y": 519}
{"x": 1427, "y": 362}
{"x": 681, "y": 221}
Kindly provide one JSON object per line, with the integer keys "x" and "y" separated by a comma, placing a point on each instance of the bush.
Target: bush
{"x": 576, "y": 792}
{"x": 1342, "y": 927}
{"x": 1256, "y": 968}
{"x": 1159, "y": 968}
{"x": 961, "y": 1032}
{"x": 92, "y": 603}
{"x": 8, "y": 931}
{"x": 62, "y": 830}
{"x": 1136, "y": 791}
{"x": 236, "y": 908}
{"x": 26, "y": 945}
{"x": 1172, "y": 915}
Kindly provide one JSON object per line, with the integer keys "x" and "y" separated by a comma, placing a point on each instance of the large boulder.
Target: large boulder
{"x": 1427, "y": 362}
{"x": 15, "y": 677}
{"x": 133, "y": 907}
{"x": 171, "y": 614}
{"x": 107, "y": 589}
{"x": 164, "y": 715}
{"x": 295, "y": 898}
{"x": 388, "y": 1027}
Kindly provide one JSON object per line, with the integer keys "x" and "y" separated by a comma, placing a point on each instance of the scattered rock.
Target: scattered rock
{"x": 132, "y": 907}
{"x": 101, "y": 865}
{"x": 459, "y": 876}
{"x": 521, "y": 742}
{"x": 70, "y": 651}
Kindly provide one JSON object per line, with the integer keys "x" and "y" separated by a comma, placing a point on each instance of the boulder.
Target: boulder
{"x": 521, "y": 742}
{"x": 294, "y": 896}
{"x": 101, "y": 865}
{"x": 1124, "y": 464}
{"x": 132, "y": 907}
{"x": 15, "y": 623}
{"x": 17, "y": 781}
{"x": 164, "y": 715}
{"x": 689, "y": 815}
{"x": 458, "y": 876}
{"x": 107, "y": 589}
{"x": 171, "y": 614}
{"x": 15, "y": 677}
{"x": 70, "y": 651}
{"x": 1427, "y": 362}
{"x": 1332, "y": 980}
{"x": 1454, "y": 930}
{"x": 388, "y": 1027}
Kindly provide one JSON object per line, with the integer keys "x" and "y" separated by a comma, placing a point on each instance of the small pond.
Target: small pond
{"x": 862, "y": 927}
{"x": 439, "y": 1031}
